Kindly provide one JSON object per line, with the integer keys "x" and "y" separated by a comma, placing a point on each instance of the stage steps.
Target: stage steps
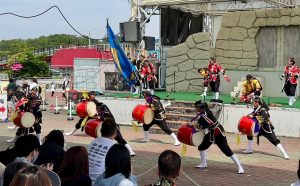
{"x": 181, "y": 112}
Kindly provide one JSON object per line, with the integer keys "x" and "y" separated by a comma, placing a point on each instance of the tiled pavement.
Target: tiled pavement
{"x": 264, "y": 167}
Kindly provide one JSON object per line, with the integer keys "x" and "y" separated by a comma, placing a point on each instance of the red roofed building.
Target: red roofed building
{"x": 64, "y": 58}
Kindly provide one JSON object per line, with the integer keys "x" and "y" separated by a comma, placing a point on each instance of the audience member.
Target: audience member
{"x": 52, "y": 150}
{"x": 118, "y": 168}
{"x": 11, "y": 170}
{"x": 99, "y": 147}
{"x": 169, "y": 163}
{"x": 74, "y": 169}
{"x": 297, "y": 183}
{"x": 31, "y": 176}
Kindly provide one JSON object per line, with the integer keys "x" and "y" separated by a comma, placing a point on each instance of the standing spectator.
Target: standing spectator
{"x": 52, "y": 89}
{"x": 36, "y": 86}
{"x": 32, "y": 175}
{"x": 101, "y": 144}
{"x": 11, "y": 88}
{"x": 297, "y": 183}
{"x": 74, "y": 169}
{"x": 11, "y": 170}
{"x": 169, "y": 163}
{"x": 118, "y": 168}
{"x": 52, "y": 150}
{"x": 65, "y": 86}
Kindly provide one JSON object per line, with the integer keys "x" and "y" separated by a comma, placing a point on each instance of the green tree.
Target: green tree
{"x": 33, "y": 66}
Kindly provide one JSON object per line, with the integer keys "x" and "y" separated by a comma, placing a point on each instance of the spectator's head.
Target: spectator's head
{"x": 291, "y": 61}
{"x": 74, "y": 164}
{"x": 55, "y": 137}
{"x": 11, "y": 80}
{"x": 109, "y": 129}
{"x": 117, "y": 160}
{"x": 27, "y": 146}
{"x": 11, "y": 170}
{"x": 34, "y": 80}
{"x": 169, "y": 163}
{"x": 32, "y": 175}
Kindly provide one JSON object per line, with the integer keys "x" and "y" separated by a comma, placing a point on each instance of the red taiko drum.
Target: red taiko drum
{"x": 24, "y": 120}
{"x": 142, "y": 114}
{"x": 248, "y": 126}
{"x": 92, "y": 128}
{"x": 86, "y": 108}
{"x": 186, "y": 135}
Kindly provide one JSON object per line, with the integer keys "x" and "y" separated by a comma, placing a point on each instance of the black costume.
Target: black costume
{"x": 216, "y": 132}
{"x": 266, "y": 128}
{"x": 159, "y": 115}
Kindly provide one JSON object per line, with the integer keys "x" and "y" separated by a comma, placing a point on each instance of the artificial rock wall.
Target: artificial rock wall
{"x": 184, "y": 60}
{"x": 235, "y": 44}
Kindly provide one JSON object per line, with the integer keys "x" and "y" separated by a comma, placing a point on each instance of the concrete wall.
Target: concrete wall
{"x": 285, "y": 121}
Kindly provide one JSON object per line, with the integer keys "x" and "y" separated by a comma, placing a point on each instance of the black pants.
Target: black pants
{"x": 25, "y": 131}
{"x": 161, "y": 123}
{"x": 270, "y": 136}
{"x": 290, "y": 88}
{"x": 221, "y": 142}
{"x": 214, "y": 85}
{"x": 119, "y": 138}
{"x": 52, "y": 93}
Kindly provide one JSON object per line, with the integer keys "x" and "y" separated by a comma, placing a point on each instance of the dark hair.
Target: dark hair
{"x": 169, "y": 163}
{"x": 11, "y": 80}
{"x": 212, "y": 58}
{"x": 24, "y": 145}
{"x": 32, "y": 175}
{"x": 34, "y": 80}
{"x": 199, "y": 70}
{"x": 92, "y": 93}
{"x": 248, "y": 76}
{"x": 261, "y": 102}
{"x": 117, "y": 160}
{"x": 108, "y": 128}
{"x": 147, "y": 93}
{"x": 55, "y": 137}
{"x": 74, "y": 164}
{"x": 200, "y": 104}
{"x": 11, "y": 170}
{"x": 292, "y": 60}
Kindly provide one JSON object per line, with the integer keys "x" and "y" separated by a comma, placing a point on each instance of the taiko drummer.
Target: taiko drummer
{"x": 159, "y": 117}
{"x": 216, "y": 134}
{"x": 262, "y": 115}
{"x": 103, "y": 113}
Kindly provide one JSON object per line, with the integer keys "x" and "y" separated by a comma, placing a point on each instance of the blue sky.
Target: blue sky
{"x": 84, "y": 15}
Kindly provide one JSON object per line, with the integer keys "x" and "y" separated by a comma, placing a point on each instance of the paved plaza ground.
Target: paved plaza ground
{"x": 264, "y": 167}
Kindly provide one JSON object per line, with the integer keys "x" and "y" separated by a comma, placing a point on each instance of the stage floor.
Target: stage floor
{"x": 194, "y": 96}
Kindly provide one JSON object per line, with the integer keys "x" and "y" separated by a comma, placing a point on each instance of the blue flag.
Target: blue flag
{"x": 121, "y": 61}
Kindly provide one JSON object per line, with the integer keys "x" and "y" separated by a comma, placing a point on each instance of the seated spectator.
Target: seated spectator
{"x": 118, "y": 168}
{"x": 169, "y": 163}
{"x": 27, "y": 149}
{"x": 32, "y": 175}
{"x": 11, "y": 170}
{"x": 52, "y": 150}
{"x": 99, "y": 147}
{"x": 297, "y": 183}
{"x": 2, "y": 168}
{"x": 74, "y": 169}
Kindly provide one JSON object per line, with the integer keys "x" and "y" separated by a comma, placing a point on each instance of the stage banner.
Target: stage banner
{"x": 3, "y": 107}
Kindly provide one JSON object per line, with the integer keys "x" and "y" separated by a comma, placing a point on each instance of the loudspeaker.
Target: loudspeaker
{"x": 130, "y": 31}
{"x": 149, "y": 42}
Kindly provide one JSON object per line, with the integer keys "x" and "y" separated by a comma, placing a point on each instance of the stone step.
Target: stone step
{"x": 180, "y": 110}
{"x": 179, "y": 117}
{"x": 182, "y": 104}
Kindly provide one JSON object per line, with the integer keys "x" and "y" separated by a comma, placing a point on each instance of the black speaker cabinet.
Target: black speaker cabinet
{"x": 149, "y": 42}
{"x": 130, "y": 31}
